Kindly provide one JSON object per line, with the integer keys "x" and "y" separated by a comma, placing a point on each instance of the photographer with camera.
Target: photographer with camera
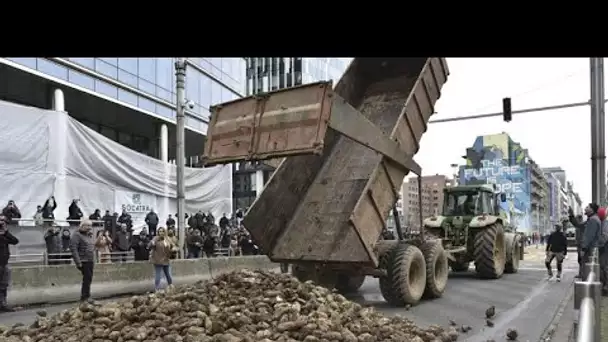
{"x": 6, "y": 239}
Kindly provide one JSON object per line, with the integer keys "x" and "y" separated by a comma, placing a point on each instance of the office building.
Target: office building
{"x": 266, "y": 74}
{"x": 432, "y": 198}
{"x": 129, "y": 100}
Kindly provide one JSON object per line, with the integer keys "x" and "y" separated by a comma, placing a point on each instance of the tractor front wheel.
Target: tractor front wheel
{"x": 490, "y": 252}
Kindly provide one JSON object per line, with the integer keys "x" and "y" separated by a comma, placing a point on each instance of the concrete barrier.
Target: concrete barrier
{"x": 61, "y": 283}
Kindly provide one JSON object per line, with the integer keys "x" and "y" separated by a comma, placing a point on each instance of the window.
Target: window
{"x": 52, "y": 69}
{"x": 193, "y": 85}
{"x": 165, "y": 73}
{"x": 205, "y": 91}
{"x": 108, "y": 133}
{"x": 227, "y": 95}
{"x": 127, "y": 78}
{"x": 216, "y": 93}
{"x": 28, "y": 62}
{"x": 146, "y": 104}
{"x": 110, "y": 60}
{"x": 106, "y": 88}
{"x": 106, "y": 69}
{"x": 81, "y": 79}
{"x": 128, "y": 64}
{"x": 124, "y": 139}
{"x": 85, "y": 62}
{"x": 147, "y": 69}
{"x": 164, "y": 94}
{"x": 146, "y": 86}
{"x": 127, "y": 96}
{"x": 165, "y": 111}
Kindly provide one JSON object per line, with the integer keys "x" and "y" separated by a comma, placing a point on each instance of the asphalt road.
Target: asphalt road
{"x": 525, "y": 301}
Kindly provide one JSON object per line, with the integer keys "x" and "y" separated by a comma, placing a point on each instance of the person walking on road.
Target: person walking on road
{"x": 83, "y": 253}
{"x": 6, "y": 239}
{"x": 589, "y": 232}
{"x": 161, "y": 249}
{"x": 557, "y": 248}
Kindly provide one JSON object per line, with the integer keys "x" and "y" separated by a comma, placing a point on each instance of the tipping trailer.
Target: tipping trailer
{"x": 347, "y": 151}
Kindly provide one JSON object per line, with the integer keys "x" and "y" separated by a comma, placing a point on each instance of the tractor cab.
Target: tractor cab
{"x": 471, "y": 201}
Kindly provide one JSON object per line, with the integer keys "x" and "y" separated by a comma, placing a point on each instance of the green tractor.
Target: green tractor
{"x": 473, "y": 228}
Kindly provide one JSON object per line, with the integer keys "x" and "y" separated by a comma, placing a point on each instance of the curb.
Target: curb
{"x": 549, "y": 332}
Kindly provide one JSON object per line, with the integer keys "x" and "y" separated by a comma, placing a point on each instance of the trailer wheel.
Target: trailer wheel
{"x": 459, "y": 266}
{"x": 512, "y": 264}
{"x": 436, "y": 260}
{"x": 405, "y": 278}
{"x": 349, "y": 283}
{"x": 490, "y": 252}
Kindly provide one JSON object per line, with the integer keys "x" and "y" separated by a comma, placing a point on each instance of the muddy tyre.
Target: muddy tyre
{"x": 459, "y": 266}
{"x": 512, "y": 264}
{"x": 490, "y": 252}
{"x": 405, "y": 278}
{"x": 349, "y": 283}
{"x": 436, "y": 261}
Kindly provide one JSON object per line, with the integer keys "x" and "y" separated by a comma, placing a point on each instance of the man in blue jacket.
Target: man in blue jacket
{"x": 591, "y": 230}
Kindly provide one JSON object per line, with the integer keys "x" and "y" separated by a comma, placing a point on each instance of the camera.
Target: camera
{"x": 190, "y": 104}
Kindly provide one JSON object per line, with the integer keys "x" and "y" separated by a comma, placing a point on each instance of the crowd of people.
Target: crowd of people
{"x": 113, "y": 238}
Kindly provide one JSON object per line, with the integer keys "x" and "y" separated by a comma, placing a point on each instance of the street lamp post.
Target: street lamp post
{"x": 180, "y": 159}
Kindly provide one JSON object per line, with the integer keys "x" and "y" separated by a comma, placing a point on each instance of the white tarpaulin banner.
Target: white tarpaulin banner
{"x": 136, "y": 204}
{"x": 46, "y": 153}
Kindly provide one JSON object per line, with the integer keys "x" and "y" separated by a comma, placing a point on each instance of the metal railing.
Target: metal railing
{"x": 587, "y": 299}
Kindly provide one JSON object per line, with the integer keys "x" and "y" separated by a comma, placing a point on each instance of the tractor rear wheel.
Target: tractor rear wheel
{"x": 349, "y": 283}
{"x": 459, "y": 266}
{"x": 436, "y": 260}
{"x": 490, "y": 252}
{"x": 405, "y": 278}
{"x": 512, "y": 264}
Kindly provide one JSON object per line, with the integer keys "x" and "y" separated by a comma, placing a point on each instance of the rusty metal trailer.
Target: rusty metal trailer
{"x": 347, "y": 151}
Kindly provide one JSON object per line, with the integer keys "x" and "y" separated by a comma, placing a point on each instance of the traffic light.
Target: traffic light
{"x": 506, "y": 109}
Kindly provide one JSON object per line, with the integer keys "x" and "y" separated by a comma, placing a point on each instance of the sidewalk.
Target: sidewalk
{"x": 604, "y": 318}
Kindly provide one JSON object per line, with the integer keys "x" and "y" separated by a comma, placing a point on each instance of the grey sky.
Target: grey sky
{"x": 554, "y": 138}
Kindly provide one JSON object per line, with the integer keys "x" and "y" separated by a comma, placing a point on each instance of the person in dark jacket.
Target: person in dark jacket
{"x": 139, "y": 245}
{"x": 152, "y": 222}
{"x": 557, "y": 248}
{"x": 52, "y": 239}
{"x": 66, "y": 240}
{"x": 194, "y": 243}
{"x": 590, "y": 231}
{"x": 48, "y": 210}
{"x": 74, "y": 213}
{"x": 83, "y": 253}
{"x": 224, "y": 222}
{"x": 12, "y": 213}
{"x": 121, "y": 245}
{"x": 125, "y": 218}
{"x": 96, "y": 216}
{"x": 109, "y": 222}
{"x": 6, "y": 239}
{"x": 170, "y": 222}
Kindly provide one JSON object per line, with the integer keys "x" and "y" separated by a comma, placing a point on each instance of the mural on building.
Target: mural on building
{"x": 496, "y": 159}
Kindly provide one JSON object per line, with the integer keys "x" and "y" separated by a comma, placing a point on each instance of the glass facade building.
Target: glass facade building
{"x": 149, "y": 83}
{"x": 266, "y": 74}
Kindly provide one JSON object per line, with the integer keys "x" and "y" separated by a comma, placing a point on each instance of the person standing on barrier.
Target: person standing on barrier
{"x": 161, "y": 249}
{"x": 53, "y": 245}
{"x": 74, "y": 213}
{"x": 6, "y": 239}
{"x": 122, "y": 244}
{"x": 139, "y": 245}
{"x": 602, "y": 245}
{"x": 83, "y": 253}
{"x": 589, "y": 231}
{"x": 557, "y": 248}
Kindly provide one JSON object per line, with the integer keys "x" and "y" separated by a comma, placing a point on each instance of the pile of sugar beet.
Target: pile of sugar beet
{"x": 242, "y": 306}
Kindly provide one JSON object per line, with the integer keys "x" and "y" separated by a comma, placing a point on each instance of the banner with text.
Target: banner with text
{"x": 136, "y": 204}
